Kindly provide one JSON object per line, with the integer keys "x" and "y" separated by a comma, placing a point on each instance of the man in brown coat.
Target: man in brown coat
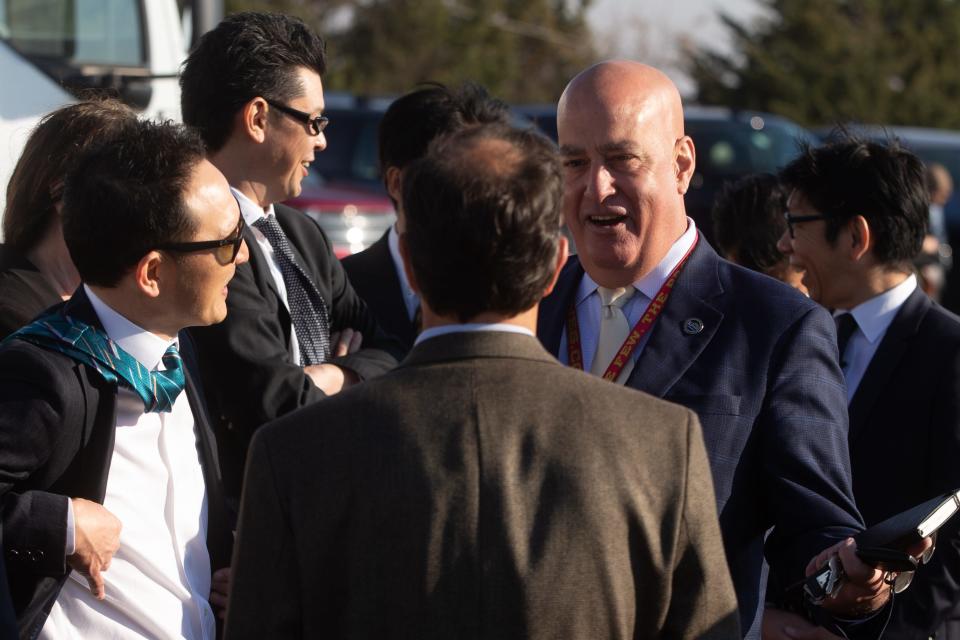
{"x": 481, "y": 490}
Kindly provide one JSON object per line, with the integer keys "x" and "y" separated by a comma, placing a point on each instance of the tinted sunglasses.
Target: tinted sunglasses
{"x": 226, "y": 249}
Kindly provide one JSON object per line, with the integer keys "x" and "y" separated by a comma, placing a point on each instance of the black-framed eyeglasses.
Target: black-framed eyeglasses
{"x": 227, "y": 249}
{"x": 792, "y": 220}
{"x": 316, "y": 124}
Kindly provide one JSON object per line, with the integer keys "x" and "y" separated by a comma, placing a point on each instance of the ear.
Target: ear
{"x": 686, "y": 163}
{"x": 147, "y": 273}
{"x": 394, "y": 180}
{"x": 253, "y": 119}
{"x": 562, "y": 254}
{"x": 407, "y": 266}
{"x": 861, "y": 240}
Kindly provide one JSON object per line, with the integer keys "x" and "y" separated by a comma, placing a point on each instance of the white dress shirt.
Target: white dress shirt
{"x": 410, "y": 298}
{"x": 873, "y": 319}
{"x": 587, "y": 300}
{"x": 158, "y": 583}
{"x": 252, "y": 212}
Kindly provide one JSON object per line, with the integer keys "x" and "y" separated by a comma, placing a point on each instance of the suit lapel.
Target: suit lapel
{"x": 673, "y": 345}
{"x": 258, "y": 263}
{"x": 389, "y": 295}
{"x": 886, "y": 359}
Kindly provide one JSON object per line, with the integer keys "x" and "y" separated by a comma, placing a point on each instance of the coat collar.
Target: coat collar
{"x": 477, "y": 344}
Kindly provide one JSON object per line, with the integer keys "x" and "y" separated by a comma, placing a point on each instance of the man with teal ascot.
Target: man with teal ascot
{"x": 113, "y": 516}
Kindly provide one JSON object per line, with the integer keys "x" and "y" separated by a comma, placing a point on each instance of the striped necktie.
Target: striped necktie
{"x": 86, "y": 344}
{"x": 308, "y": 310}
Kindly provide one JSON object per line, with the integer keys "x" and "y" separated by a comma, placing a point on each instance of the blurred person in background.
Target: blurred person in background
{"x": 36, "y": 271}
{"x": 408, "y": 126}
{"x": 748, "y": 222}
{"x": 936, "y": 255}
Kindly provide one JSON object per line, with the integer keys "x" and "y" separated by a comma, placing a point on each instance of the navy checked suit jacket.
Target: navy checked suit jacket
{"x": 763, "y": 377}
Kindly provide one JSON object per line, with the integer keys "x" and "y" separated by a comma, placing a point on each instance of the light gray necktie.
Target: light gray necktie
{"x": 614, "y": 329}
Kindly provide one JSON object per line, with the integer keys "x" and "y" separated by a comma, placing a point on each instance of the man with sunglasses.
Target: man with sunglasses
{"x": 114, "y": 521}
{"x": 856, "y": 218}
{"x": 297, "y": 332}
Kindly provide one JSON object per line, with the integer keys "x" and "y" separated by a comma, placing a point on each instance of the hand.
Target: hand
{"x": 330, "y": 378}
{"x": 220, "y": 591}
{"x": 863, "y": 590}
{"x": 783, "y": 625}
{"x": 97, "y": 536}
{"x": 343, "y": 343}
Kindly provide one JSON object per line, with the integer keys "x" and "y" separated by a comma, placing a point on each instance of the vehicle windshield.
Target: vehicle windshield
{"x": 75, "y": 32}
{"x": 736, "y": 148}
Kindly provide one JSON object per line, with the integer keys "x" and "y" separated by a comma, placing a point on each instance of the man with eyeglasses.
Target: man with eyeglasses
{"x": 114, "y": 520}
{"x": 856, "y": 219}
{"x": 649, "y": 304}
{"x": 297, "y": 332}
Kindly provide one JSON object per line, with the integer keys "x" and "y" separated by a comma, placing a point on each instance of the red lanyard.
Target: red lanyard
{"x": 650, "y": 315}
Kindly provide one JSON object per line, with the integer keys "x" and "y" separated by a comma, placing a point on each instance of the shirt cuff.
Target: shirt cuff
{"x": 70, "y": 546}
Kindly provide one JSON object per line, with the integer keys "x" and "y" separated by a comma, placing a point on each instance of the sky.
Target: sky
{"x": 652, "y": 31}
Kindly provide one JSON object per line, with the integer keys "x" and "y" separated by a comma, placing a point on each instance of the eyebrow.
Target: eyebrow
{"x": 607, "y": 147}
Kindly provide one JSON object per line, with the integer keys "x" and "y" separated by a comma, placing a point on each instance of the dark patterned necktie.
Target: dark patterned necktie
{"x": 308, "y": 311}
{"x": 85, "y": 343}
{"x": 846, "y": 325}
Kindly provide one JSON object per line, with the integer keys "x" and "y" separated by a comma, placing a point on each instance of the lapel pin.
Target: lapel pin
{"x": 692, "y": 326}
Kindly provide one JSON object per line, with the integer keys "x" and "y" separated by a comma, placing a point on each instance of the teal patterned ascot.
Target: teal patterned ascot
{"x": 84, "y": 343}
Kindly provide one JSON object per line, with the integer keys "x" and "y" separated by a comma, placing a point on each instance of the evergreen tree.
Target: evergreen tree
{"x": 825, "y": 61}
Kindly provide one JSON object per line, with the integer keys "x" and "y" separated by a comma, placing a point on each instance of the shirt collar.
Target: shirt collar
{"x": 393, "y": 241}
{"x": 252, "y": 212}
{"x": 146, "y": 347}
{"x": 875, "y": 315}
{"x": 650, "y": 284}
{"x": 468, "y": 327}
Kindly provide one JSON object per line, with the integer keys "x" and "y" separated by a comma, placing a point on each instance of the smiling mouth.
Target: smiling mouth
{"x": 607, "y": 220}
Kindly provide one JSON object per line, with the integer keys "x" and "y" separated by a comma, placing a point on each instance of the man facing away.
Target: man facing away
{"x": 113, "y": 515}
{"x": 856, "y": 218}
{"x": 296, "y": 331}
{"x": 648, "y": 304}
{"x": 481, "y": 490}
{"x": 407, "y": 128}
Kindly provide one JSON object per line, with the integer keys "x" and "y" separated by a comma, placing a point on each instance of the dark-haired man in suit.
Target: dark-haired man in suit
{"x": 649, "y": 304}
{"x": 297, "y": 332}
{"x": 481, "y": 490}
{"x": 856, "y": 219}
{"x": 407, "y": 128}
{"x": 113, "y": 513}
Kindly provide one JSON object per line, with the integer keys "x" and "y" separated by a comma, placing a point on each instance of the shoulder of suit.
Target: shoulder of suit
{"x": 750, "y": 289}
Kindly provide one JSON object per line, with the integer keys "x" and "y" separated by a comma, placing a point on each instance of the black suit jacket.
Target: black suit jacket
{"x": 247, "y": 373}
{"x": 374, "y": 277}
{"x": 517, "y": 499}
{"x": 764, "y": 379}
{"x": 57, "y": 426}
{"x": 905, "y": 447}
{"x": 24, "y": 291}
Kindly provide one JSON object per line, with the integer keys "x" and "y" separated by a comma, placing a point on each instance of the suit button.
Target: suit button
{"x": 36, "y": 555}
{"x": 13, "y": 554}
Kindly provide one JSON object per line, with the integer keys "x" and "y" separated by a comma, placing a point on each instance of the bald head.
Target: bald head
{"x": 617, "y": 87}
{"x": 627, "y": 165}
